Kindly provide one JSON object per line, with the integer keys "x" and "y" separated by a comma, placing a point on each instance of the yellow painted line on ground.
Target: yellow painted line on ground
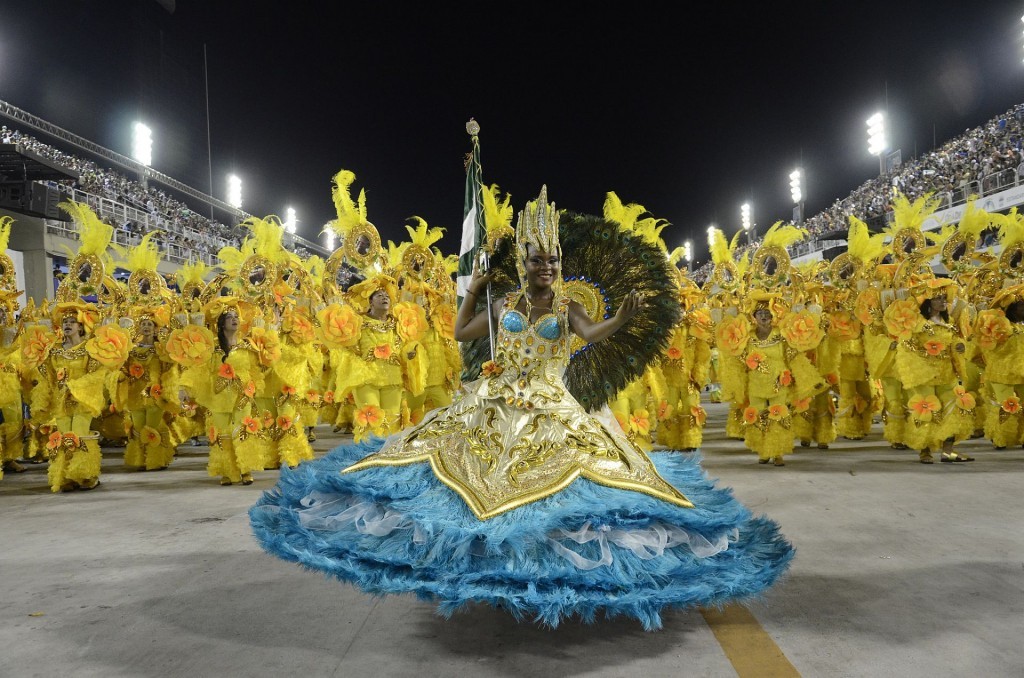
{"x": 747, "y": 646}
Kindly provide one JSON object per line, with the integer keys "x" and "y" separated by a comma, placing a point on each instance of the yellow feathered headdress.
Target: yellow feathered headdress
{"x": 1011, "y": 228}
{"x": 5, "y": 232}
{"x": 861, "y": 245}
{"x": 627, "y": 217}
{"x": 93, "y": 233}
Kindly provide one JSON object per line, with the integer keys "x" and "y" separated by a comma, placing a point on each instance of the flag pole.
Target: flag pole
{"x": 474, "y": 230}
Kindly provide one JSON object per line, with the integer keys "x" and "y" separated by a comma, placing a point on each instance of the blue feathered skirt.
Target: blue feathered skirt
{"x": 587, "y": 550}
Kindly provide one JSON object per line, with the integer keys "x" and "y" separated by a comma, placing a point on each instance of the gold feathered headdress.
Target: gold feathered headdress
{"x": 497, "y": 216}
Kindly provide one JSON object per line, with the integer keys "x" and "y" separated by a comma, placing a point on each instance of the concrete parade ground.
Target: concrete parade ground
{"x": 901, "y": 569}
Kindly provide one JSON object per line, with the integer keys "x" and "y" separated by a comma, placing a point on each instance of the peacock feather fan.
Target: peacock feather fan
{"x": 614, "y": 261}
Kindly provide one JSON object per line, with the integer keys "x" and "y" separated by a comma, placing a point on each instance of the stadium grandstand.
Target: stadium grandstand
{"x": 36, "y": 175}
{"x": 986, "y": 161}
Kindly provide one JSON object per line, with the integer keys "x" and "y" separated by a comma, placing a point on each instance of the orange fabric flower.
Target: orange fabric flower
{"x": 843, "y": 326}
{"x": 777, "y": 412}
{"x": 733, "y": 334}
{"x": 136, "y": 370}
{"x": 964, "y": 399}
{"x": 156, "y": 390}
{"x": 410, "y": 320}
{"x": 786, "y": 378}
{"x": 300, "y": 327}
{"x": 491, "y": 369}
{"x": 267, "y": 419}
{"x": 251, "y": 424}
{"x": 992, "y": 328}
{"x": 250, "y": 389}
{"x": 211, "y": 434}
{"x": 339, "y": 325}
{"x": 226, "y": 371}
{"x": 149, "y": 435}
{"x": 329, "y": 397}
{"x": 368, "y": 416}
{"x": 284, "y": 422}
{"x": 640, "y": 422}
{"x": 802, "y": 404}
{"x": 190, "y": 346}
{"x": 664, "y": 411}
{"x": 382, "y": 351}
{"x": 266, "y": 344}
{"x": 754, "y": 359}
{"x": 313, "y": 397}
{"x": 35, "y": 345}
{"x": 288, "y": 389}
{"x": 674, "y": 353}
{"x": 109, "y": 346}
{"x": 700, "y": 324}
{"x": 61, "y": 374}
{"x": 444, "y": 320}
{"x": 867, "y": 303}
{"x": 699, "y": 414}
{"x": 923, "y": 407}
{"x": 53, "y": 442}
{"x": 801, "y": 330}
{"x": 902, "y": 319}
{"x": 72, "y": 440}
{"x": 750, "y": 414}
{"x": 934, "y": 347}
{"x": 832, "y": 379}
{"x": 1011, "y": 405}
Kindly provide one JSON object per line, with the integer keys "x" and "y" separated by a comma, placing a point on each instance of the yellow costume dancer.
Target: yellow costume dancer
{"x": 764, "y": 359}
{"x": 724, "y": 291}
{"x": 849, "y": 274}
{"x": 929, "y": 363}
{"x": 139, "y": 390}
{"x": 188, "y": 422}
{"x": 12, "y": 424}
{"x": 686, "y": 366}
{"x": 72, "y": 373}
{"x": 815, "y": 423}
{"x": 418, "y": 285}
{"x": 388, "y": 344}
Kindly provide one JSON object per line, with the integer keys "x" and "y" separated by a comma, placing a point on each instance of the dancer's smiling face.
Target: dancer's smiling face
{"x": 541, "y": 267}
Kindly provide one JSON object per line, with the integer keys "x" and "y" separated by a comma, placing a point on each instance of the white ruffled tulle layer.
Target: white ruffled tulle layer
{"x": 331, "y": 512}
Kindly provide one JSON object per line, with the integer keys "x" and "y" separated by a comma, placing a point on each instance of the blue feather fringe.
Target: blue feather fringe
{"x": 507, "y": 561}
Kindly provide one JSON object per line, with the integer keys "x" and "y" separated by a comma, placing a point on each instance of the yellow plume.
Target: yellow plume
{"x": 267, "y": 238}
{"x": 231, "y": 259}
{"x": 676, "y": 255}
{"x": 349, "y": 213}
{"x": 720, "y": 249}
{"x": 1011, "y": 229}
{"x": 861, "y": 244}
{"x": 94, "y": 234}
{"x": 5, "y": 232}
{"x": 194, "y": 271}
{"x": 497, "y": 216}
{"x": 974, "y": 221}
{"x": 422, "y": 235}
{"x": 912, "y": 214}
{"x": 783, "y": 235}
{"x": 145, "y": 256}
{"x": 624, "y": 215}
{"x": 451, "y": 264}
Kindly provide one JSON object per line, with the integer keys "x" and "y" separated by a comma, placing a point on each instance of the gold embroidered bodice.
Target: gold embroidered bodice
{"x": 517, "y": 435}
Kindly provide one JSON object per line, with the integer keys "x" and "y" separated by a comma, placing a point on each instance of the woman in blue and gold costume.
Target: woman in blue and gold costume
{"x": 515, "y": 495}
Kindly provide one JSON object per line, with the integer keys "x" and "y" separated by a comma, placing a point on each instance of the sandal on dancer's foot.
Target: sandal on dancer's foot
{"x": 777, "y": 461}
{"x": 955, "y": 456}
{"x": 926, "y": 457}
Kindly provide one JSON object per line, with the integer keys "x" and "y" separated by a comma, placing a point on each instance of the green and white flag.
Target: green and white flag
{"x": 474, "y": 232}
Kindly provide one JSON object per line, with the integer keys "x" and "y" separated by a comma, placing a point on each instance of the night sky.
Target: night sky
{"x": 688, "y": 115}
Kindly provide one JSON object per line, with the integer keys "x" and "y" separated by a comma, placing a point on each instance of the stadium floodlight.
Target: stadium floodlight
{"x": 747, "y": 221}
{"x": 142, "y": 144}
{"x": 234, "y": 191}
{"x": 329, "y": 235}
{"x": 877, "y": 143}
{"x": 289, "y": 222}
{"x": 796, "y": 186}
{"x": 688, "y": 254}
{"x": 711, "y": 234}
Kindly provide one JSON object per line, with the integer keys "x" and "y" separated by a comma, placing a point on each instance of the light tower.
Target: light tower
{"x": 877, "y": 141}
{"x": 796, "y": 180}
